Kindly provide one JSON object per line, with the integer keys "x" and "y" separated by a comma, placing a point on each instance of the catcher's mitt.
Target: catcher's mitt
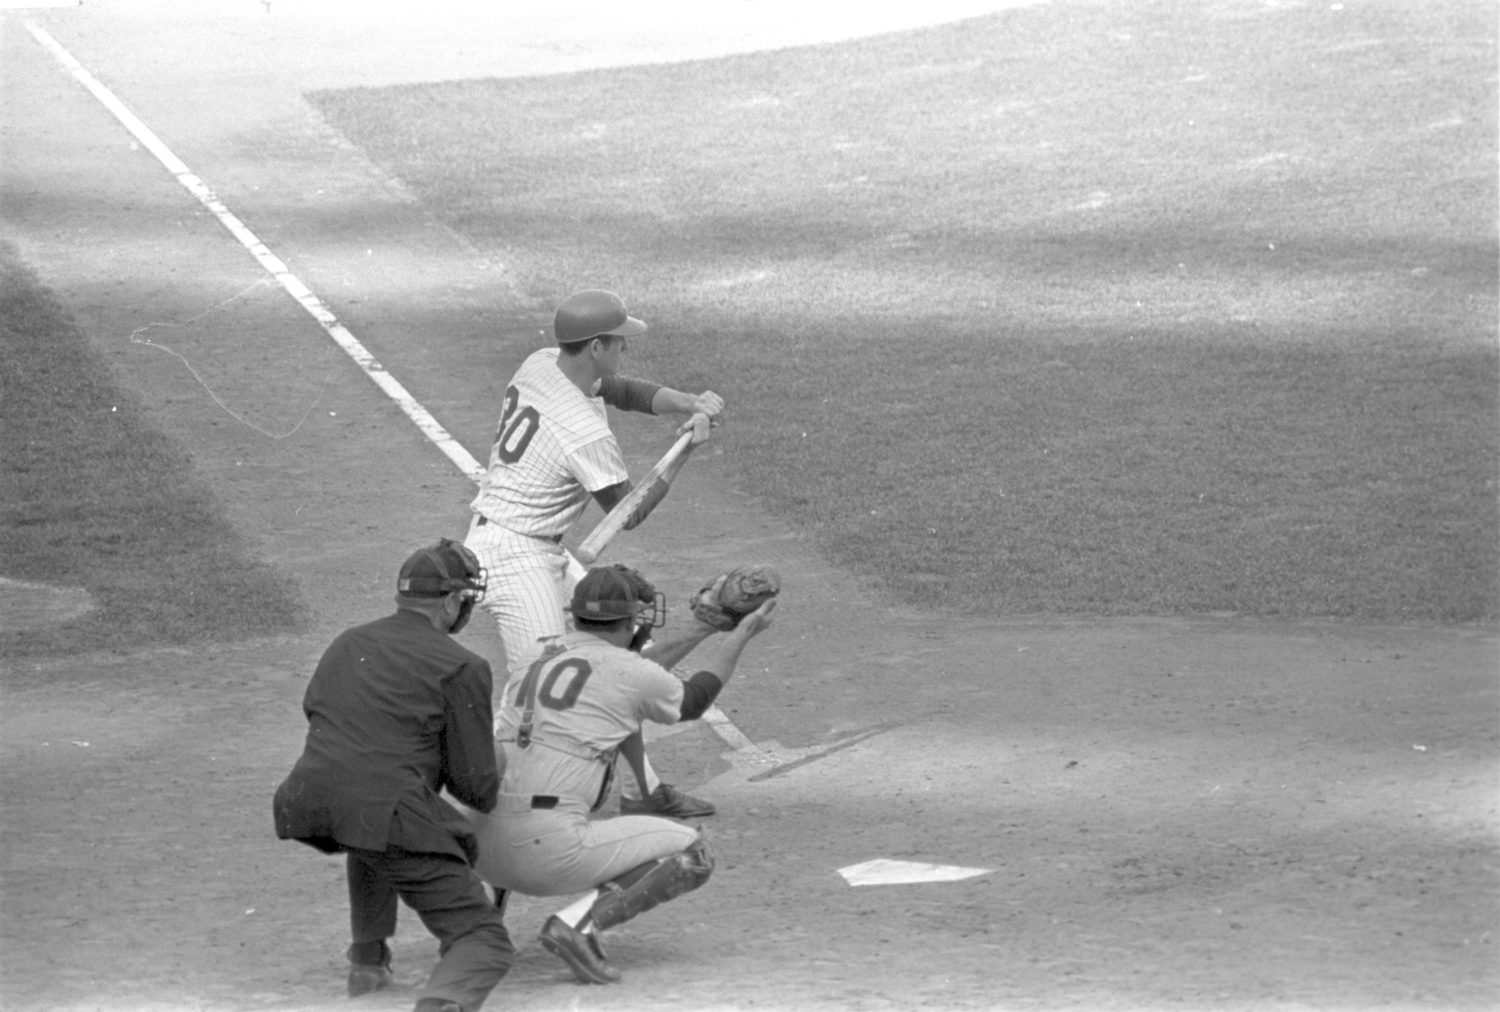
{"x": 729, "y": 598}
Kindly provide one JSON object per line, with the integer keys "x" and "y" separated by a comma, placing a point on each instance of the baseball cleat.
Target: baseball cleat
{"x": 669, "y": 801}
{"x": 582, "y": 952}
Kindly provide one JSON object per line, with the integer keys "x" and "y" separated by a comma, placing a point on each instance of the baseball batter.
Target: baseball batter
{"x": 558, "y": 731}
{"x": 553, "y": 452}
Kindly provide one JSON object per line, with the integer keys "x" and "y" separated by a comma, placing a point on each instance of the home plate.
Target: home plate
{"x": 883, "y": 872}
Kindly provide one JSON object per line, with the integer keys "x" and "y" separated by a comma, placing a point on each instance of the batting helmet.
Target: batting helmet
{"x": 610, "y": 593}
{"x": 591, "y": 314}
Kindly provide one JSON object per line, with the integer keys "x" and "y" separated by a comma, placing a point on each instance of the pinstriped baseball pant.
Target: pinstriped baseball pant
{"x": 530, "y": 581}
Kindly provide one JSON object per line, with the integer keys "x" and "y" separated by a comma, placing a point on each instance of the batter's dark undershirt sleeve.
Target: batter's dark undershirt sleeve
{"x": 699, "y": 693}
{"x": 628, "y": 393}
{"x": 607, "y": 496}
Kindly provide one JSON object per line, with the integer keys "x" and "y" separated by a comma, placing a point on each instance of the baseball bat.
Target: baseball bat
{"x": 614, "y": 520}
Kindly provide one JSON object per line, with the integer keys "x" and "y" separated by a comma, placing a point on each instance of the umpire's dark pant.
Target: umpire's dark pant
{"x": 474, "y": 948}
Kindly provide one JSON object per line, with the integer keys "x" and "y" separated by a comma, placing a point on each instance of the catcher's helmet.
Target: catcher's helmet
{"x": 593, "y": 314}
{"x": 610, "y": 593}
{"x": 441, "y": 569}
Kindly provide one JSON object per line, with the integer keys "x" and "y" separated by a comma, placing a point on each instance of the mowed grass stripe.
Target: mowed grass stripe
{"x": 1187, "y": 308}
{"x": 94, "y": 496}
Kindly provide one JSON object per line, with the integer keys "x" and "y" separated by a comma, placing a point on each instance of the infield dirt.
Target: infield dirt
{"x": 1216, "y": 813}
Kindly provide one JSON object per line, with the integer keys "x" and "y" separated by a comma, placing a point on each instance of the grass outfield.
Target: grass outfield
{"x": 94, "y": 497}
{"x": 1072, "y": 309}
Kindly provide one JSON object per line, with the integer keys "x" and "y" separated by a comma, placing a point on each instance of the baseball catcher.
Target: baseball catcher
{"x": 560, "y": 728}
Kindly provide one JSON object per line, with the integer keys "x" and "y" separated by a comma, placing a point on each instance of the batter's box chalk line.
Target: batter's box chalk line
{"x": 745, "y": 750}
{"x": 815, "y": 753}
{"x": 883, "y": 871}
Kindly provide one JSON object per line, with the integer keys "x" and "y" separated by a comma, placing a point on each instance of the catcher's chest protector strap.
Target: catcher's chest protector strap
{"x": 524, "y": 739}
{"x": 652, "y": 883}
{"x": 526, "y": 695}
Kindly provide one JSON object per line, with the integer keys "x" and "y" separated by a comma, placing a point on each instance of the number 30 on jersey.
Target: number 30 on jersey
{"x": 516, "y": 427}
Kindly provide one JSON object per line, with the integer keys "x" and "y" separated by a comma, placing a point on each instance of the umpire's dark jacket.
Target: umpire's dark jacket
{"x": 396, "y": 711}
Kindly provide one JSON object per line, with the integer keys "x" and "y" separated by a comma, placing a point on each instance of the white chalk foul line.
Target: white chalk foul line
{"x": 314, "y": 306}
{"x": 273, "y": 264}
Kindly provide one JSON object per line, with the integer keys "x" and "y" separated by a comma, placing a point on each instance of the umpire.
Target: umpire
{"x": 398, "y": 711}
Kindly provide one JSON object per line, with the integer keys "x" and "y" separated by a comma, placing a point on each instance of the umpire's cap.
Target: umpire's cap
{"x": 439, "y": 570}
{"x": 591, "y": 314}
{"x": 610, "y": 593}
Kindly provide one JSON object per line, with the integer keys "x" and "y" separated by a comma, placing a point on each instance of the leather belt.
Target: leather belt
{"x": 556, "y": 539}
{"x": 519, "y": 804}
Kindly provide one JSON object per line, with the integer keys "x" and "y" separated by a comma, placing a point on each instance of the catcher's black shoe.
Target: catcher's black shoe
{"x": 669, "y": 801}
{"x": 581, "y": 951}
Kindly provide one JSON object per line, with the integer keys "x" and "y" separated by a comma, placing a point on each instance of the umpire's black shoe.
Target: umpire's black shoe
{"x": 582, "y": 952}
{"x": 369, "y": 967}
{"x": 669, "y": 801}
{"x": 364, "y": 978}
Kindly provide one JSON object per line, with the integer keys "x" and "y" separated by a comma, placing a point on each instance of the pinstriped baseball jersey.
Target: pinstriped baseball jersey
{"x": 553, "y": 447}
{"x": 583, "y": 702}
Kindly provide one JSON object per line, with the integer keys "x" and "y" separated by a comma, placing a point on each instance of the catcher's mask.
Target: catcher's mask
{"x": 610, "y": 593}
{"x": 445, "y": 568}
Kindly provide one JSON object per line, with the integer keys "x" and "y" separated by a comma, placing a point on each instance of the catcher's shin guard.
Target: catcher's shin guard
{"x": 646, "y": 885}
